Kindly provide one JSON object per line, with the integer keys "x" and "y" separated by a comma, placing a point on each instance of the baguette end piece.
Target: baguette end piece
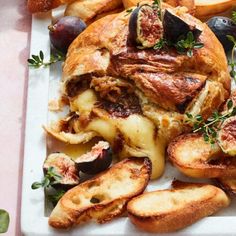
{"x": 166, "y": 211}
{"x": 103, "y": 197}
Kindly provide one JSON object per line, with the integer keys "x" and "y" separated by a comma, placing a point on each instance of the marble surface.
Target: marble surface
{"x": 15, "y": 27}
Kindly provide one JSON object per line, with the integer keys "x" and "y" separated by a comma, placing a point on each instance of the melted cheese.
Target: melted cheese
{"x": 139, "y": 133}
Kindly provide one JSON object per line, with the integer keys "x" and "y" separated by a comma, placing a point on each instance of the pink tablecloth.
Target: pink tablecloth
{"x": 15, "y": 26}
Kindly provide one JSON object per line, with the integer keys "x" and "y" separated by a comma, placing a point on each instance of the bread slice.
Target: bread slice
{"x": 196, "y": 158}
{"x": 208, "y": 8}
{"x": 170, "y": 210}
{"x": 229, "y": 185}
{"x": 103, "y": 197}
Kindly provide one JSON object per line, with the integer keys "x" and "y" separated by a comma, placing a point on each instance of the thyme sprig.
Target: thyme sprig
{"x": 51, "y": 178}
{"x": 187, "y": 45}
{"x": 234, "y": 16}
{"x": 157, "y": 6}
{"x": 160, "y": 44}
{"x": 37, "y": 61}
{"x": 232, "y": 63}
{"x": 54, "y": 198}
{"x": 128, "y": 11}
{"x": 211, "y": 126}
{"x": 183, "y": 46}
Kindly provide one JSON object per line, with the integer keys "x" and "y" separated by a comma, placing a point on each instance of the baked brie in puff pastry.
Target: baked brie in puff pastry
{"x": 136, "y": 98}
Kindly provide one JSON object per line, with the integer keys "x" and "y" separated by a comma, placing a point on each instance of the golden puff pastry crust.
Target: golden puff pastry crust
{"x": 88, "y": 10}
{"x": 136, "y": 98}
{"x": 168, "y": 79}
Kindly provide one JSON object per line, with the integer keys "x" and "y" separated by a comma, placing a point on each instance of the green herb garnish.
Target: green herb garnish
{"x": 4, "y": 221}
{"x": 234, "y": 16}
{"x": 211, "y": 126}
{"x": 160, "y": 44}
{"x": 187, "y": 45}
{"x": 54, "y": 198}
{"x": 128, "y": 11}
{"x": 37, "y": 61}
{"x": 232, "y": 63}
{"x": 157, "y": 6}
{"x": 51, "y": 177}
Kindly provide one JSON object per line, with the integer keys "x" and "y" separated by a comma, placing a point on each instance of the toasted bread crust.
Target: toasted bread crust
{"x": 210, "y": 201}
{"x": 228, "y": 185}
{"x": 196, "y": 158}
{"x": 77, "y": 204}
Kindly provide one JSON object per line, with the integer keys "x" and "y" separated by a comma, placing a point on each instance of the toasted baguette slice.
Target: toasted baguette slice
{"x": 229, "y": 185}
{"x": 170, "y": 210}
{"x": 44, "y": 5}
{"x": 196, "y": 158}
{"x": 103, "y": 197}
{"x": 207, "y": 8}
{"x": 189, "y": 4}
{"x": 88, "y": 10}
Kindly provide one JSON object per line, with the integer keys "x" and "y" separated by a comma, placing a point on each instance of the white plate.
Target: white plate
{"x": 43, "y": 85}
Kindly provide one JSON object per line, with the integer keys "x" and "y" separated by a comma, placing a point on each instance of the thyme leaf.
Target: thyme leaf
{"x": 188, "y": 45}
{"x": 128, "y": 11}
{"x": 232, "y": 62}
{"x": 37, "y": 61}
{"x": 234, "y": 16}
{"x": 157, "y": 6}
{"x": 160, "y": 44}
{"x": 211, "y": 126}
{"x": 54, "y": 198}
{"x": 51, "y": 178}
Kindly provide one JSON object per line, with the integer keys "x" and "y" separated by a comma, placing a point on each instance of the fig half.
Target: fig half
{"x": 227, "y": 136}
{"x": 65, "y": 169}
{"x": 97, "y": 160}
{"x": 221, "y": 27}
{"x": 145, "y": 26}
{"x": 176, "y": 27}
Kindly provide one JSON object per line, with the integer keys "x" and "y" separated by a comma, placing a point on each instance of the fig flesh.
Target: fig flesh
{"x": 227, "y": 136}
{"x": 221, "y": 27}
{"x": 65, "y": 169}
{"x": 97, "y": 160}
{"x": 176, "y": 27}
{"x": 64, "y": 31}
{"x": 145, "y": 26}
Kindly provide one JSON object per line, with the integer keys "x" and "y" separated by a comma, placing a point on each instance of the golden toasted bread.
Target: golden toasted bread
{"x": 82, "y": 8}
{"x": 170, "y": 210}
{"x": 229, "y": 185}
{"x": 187, "y": 3}
{"x": 45, "y": 5}
{"x": 196, "y": 158}
{"x": 208, "y": 8}
{"x": 103, "y": 197}
{"x": 87, "y": 10}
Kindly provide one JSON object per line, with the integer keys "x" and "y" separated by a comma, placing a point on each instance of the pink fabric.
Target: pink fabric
{"x": 15, "y": 27}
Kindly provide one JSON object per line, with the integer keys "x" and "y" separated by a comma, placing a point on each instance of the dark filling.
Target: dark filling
{"x": 125, "y": 106}
{"x": 224, "y": 161}
{"x": 78, "y": 85}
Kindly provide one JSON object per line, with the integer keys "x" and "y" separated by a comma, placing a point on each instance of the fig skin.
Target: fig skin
{"x": 227, "y": 136}
{"x": 153, "y": 30}
{"x": 221, "y": 27}
{"x": 175, "y": 27}
{"x": 64, "y": 31}
{"x": 97, "y": 160}
{"x": 65, "y": 167}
